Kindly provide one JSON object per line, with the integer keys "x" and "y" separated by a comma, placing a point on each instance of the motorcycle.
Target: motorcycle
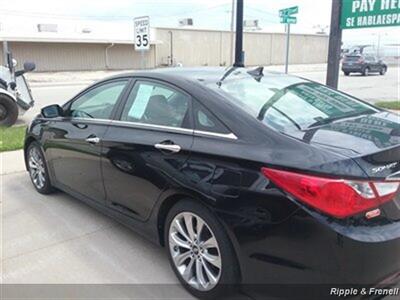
{"x": 15, "y": 94}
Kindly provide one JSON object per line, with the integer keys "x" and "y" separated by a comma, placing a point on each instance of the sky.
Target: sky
{"x": 20, "y": 17}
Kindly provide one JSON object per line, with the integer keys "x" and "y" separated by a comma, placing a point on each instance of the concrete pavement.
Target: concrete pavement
{"x": 42, "y": 235}
{"x": 11, "y": 162}
{"x": 57, "y": 239}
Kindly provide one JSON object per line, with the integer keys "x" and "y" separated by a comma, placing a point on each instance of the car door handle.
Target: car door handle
{"x": 93, "y": 140}
{"x": 171, "y": 148}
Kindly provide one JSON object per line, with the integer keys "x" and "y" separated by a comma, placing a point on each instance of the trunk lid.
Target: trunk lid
{"x": 372, "y": 140}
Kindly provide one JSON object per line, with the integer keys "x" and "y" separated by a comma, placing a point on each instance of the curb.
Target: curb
{"x": 12, "y": 162}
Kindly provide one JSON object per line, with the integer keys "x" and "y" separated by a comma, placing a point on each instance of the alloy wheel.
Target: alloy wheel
{"x": 36, "y": 168}
{"x": 195, "y": 251}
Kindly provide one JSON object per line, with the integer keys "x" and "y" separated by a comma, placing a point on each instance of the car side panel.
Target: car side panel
{"x": 135, "y": 172}
{"x": 73, "y": 161}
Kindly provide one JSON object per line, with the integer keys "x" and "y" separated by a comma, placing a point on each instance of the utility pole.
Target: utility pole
{"x": 239, "y": 54}
{"x": 287, "y": 47}
{"x": 5, "y": 51}
{"x": 335, "y": 44}
{"x": 379, "y": 47}
{"x": 232, "y": 51}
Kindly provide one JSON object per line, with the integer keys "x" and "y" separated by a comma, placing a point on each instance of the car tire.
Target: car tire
{"x": 38, "y": 170}
{"x": 346, "y": 73}
{"x": 383, "y": 71}
{"x": 366, "y": 71}
{"x": 8, "y": 111}
{"x": 191, "y": 260}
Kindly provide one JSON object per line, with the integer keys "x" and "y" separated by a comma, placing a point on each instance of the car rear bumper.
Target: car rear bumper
{"x": 352, "y": 68}
{"x": 302, "y": 253}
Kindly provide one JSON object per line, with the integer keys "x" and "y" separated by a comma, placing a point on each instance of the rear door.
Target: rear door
{"x": 73, "y": 143}
{"x": 372, "y": 63}
{"x": 146, "y": 147}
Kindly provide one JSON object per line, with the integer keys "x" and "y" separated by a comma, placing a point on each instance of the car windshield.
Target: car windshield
{"x": 289, "y": 103}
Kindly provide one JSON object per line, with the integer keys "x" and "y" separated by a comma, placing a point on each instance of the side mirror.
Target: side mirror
{"x": 52, "y": 111}
{"x": 29, "y": 66}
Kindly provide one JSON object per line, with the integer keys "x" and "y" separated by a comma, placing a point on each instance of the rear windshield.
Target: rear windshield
{"x": 352, "y": 58}
{"x": 288, "y": 103}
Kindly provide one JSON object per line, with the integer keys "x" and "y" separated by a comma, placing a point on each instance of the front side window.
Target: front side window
{"x": 156, "y": 104}
{"x": 289, "y": 103}
{"x": 99, "y": 102}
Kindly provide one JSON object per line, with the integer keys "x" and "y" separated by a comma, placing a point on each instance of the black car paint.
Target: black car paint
{"x": 276, "y": 238}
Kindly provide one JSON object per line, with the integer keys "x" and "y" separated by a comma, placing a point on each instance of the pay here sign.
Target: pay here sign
{"x": 370, "y": 13}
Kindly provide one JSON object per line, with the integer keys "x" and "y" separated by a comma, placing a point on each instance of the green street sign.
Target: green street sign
{"x": 369, "y": 13}
{"x": 289, "y": 11}
{"x": 289, "y": 20}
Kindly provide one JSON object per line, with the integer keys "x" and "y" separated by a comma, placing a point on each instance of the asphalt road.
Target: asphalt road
{"x": 372, "y": 89}
{"x": 46, "y": 95}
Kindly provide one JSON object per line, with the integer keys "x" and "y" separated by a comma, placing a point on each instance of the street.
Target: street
{"x": 372, "y": 88}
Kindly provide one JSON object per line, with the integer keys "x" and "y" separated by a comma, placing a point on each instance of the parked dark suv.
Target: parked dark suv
{"x": 364, "y": 64}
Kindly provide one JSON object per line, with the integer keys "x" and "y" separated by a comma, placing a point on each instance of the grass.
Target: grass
{"x": 395, "y": 105}
{"x": 12, "y": 138}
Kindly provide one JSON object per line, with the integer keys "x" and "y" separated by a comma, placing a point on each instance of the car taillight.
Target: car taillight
{"x": 339, "y": 198}
{"x": 360, "y": 60}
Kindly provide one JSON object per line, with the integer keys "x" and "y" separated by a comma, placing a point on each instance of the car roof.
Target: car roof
{"x": 199, "y": 74}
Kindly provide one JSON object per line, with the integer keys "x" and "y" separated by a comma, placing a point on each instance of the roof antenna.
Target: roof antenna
{"x": 257, "y": 73}
{"x": 239, "y": 54}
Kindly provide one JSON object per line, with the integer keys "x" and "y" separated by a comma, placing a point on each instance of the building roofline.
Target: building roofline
{"x": 39, "y": 39}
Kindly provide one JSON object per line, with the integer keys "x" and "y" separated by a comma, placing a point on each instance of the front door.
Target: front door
{"x": 145, "y": 149}
{"x": 73, "y": 143}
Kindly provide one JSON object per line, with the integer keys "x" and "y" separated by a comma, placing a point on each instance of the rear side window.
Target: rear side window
{"x": 206, "y": 121}
{"x": 157, "y": 104}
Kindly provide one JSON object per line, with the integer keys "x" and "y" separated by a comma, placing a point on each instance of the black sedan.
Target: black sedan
{"x": 245, "y": 177}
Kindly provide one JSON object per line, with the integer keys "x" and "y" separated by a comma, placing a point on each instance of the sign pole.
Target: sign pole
{"x": 287, "y": 18}
{"x": 287, "y": 47}
{"x": 335, "y": 44}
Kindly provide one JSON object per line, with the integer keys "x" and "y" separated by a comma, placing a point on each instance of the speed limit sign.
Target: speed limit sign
{"x": 142, "y": 33}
